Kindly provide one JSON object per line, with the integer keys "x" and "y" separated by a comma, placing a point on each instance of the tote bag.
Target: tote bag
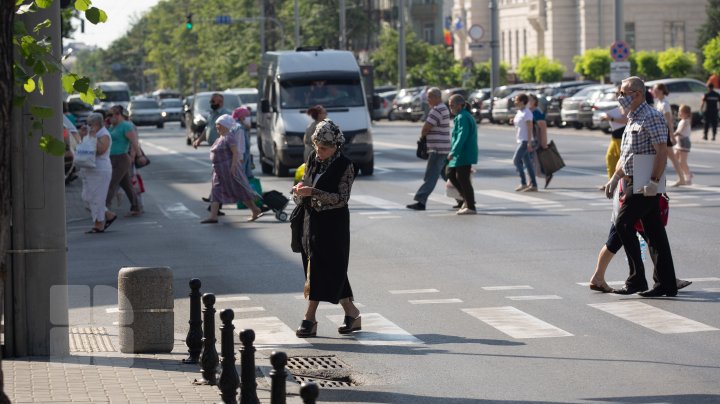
{"x": 550, "y": 159}
{"x": 85, "y": 152}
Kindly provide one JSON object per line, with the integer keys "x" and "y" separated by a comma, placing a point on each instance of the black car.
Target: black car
{"x": 478, "y": 100}
{"x": 408, "y": 104}
{"x": 555, "y": 93}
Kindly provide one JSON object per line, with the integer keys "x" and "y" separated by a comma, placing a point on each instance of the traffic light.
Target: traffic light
{"x": 188, "y": 22}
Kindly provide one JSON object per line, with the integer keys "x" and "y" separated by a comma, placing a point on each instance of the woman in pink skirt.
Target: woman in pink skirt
{"x": 229, "y": 183}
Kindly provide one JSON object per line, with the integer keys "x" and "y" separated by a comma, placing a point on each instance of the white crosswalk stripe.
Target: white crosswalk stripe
{"x": 653, "y": 318}
{"x": 378, "y": 330}
{"x": 270, "y": 332}
{"x": 516, "y": 323}
{"x": 177, "y": 211}
{"x": 376, "y": 202}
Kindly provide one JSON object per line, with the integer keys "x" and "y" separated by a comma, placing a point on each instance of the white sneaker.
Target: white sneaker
{"x": 521, "y": 188}
{"x": 467, "y": 211}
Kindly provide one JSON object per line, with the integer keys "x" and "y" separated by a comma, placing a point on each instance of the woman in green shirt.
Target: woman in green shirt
{"x": 122, "y": 153}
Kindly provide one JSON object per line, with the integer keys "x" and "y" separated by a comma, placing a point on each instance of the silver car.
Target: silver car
{"x": 172, "y": 109}
{"x": 577, "y": 110}
{"x": 146, "y": 111}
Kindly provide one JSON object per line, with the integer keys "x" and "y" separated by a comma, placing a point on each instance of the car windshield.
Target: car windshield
{"x": 248, "y": 98}
{"x": 172, "y": 103}
{"x": 116, "y": 96}
{"x": 330, "y": 93}
{"x": 585, "y": 92}
{"x": 202, "y": 102}
{"x": 79, "y": 106}
{"x": 149, "y": 104}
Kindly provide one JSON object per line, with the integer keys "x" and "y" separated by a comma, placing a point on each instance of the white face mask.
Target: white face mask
{"x": 625, "y": 101}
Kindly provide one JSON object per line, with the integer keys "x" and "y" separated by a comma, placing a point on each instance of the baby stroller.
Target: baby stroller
{"x": 276, "y": 202}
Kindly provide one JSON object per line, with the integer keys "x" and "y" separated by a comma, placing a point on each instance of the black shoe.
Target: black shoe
{"x": 416, "y": 206}
{"x": 548, "y": 178}
{"x": 307, "y": 329}
{"x": 657, "y": 292}
{"x": 350, "y": 324}
{"x": 628, "y": 290}
{"x": 459, "y": 204}
{"x": 221, "y": 213}
{"x": 205, "y": 199}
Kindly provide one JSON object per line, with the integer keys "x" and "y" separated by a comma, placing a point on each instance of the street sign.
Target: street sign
{"x": 223, "y": 19}
{"x": 620, "y": 51}
{"x": 619, "y": 71}
{"x": 476, "y": 32}
{"x": 475, "y": 46}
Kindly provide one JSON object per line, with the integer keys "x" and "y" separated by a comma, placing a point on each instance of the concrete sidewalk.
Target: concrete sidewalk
{"x": 96, "y": 372}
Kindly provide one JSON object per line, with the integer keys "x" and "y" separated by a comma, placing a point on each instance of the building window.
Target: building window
{"x": 630, "y": 34}
{"x": 428, "y": 33}
{"x": 524, "y": 42}
{"x": 517, "y": 47}
{"x": 675, "y": 34}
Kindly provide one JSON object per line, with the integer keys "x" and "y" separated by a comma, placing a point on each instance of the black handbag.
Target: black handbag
{"x": 297, "y": 217}
{"x": 422, "y": 150}
{"x": 141, "y": 160}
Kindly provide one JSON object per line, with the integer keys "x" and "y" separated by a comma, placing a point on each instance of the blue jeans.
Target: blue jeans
{"x": 522, "y": 156}
{"x": 435, "y": 164}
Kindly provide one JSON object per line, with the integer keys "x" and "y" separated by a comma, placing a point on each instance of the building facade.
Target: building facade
{"x": 561, "y": 29}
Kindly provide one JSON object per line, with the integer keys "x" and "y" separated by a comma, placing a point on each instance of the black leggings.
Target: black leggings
{"x": 460, "y": 178}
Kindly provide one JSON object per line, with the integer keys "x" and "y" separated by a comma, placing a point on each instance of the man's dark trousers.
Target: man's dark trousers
{"x": 647, "y": 209}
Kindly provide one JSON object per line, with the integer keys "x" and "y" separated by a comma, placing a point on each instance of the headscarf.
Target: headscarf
{"x": 225, "y": 120}
{"x": 328, "y": 133}
{"x": 240, "y": 113}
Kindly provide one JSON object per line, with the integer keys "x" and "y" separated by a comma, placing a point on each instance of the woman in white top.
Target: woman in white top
{"x": 659, "y": 92}
{"x": 96, "y": 181}
{"x": 682, "y": 145}
{"x": 523, "y": 122}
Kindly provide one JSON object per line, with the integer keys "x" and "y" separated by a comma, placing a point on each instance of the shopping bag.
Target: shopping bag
{"x": 137, "y": 184}
{"x": 452, "y": 192}
{"x": 85, "y": 152}
{"x": 550, "y": 159}
{"x": 257, "y": 187}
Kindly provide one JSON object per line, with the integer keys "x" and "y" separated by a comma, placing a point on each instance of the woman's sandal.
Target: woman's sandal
{"x": 307, "y": 329}
{"x": 350, "y": 324}
{"x": 108, "y": 222}
{"x": 95, "y": 230}
{"x": 601, "y": 288}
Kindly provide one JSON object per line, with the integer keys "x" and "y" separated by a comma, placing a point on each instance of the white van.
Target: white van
{"x": 292, "y": 81}
{"x": 115, "y": 93}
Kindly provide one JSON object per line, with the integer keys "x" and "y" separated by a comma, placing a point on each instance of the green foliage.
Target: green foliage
{"x": 385, "y": 58}
{"x": 481, "y": 74}
{"x": 440, "y": 69}
{"x": 593, "y": 64}
{"x": 711, "y": 28}
{"x": 539, "y": 69}
{"x": 675, "y": 63}
{"x": 647, "y": 65}
{"x": 711, "y": 51}
{"x": 36, "y": 59}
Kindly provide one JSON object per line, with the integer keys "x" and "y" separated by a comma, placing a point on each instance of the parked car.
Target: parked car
{"x": 503, "y": 109}
{"x": 555, "y": 98}
{"x": 78, "y": 108}
{"x": 248, "y": 98}
{"x": 606, "y": 102}
{"x": 385, "y": 107}
{"x": 198, "y": 112}
{"x": 502, "y": 92}
{"x": 683, "y": 91}
{"x": 449, "y": 92}
{"x": 577, "y": 110}
{"x": 187, "y": 110}
{"x": 408, "y": 104}
{"x": 145, "y": 111}
{"x": 172, "y": 109}
{"x": 478, "y": 100}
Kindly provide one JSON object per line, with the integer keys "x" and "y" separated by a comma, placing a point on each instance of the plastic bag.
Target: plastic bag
{"x": 85, "y": 152}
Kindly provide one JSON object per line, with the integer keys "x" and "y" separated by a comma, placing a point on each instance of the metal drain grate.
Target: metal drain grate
{"x": 314, "y": 362}
{"x": 327, "y": 371}
{"x": 90, "y": 339}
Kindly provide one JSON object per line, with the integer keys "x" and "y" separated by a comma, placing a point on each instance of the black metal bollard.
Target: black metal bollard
{"x": 195, "y": 333}
{"x": 209, "y": 359}
{"x": 229, "y": 380}
{"x": 277, "y": 377}
{"x": 248, "y": 385}
{"x": 309, "y": 392}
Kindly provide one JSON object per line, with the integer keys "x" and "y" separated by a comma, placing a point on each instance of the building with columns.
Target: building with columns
{"x": 561, "y": 29}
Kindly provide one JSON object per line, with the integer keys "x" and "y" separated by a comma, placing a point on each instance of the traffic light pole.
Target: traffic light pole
{"x": 494, "y": 48}
{"x": 401, "y": 44}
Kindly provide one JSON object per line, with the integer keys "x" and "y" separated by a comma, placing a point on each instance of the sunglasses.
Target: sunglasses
{"x": 628, "y": 92}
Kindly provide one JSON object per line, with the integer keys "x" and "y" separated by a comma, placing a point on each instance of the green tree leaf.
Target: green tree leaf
{"x": 29, "y": 85}
{"x": 43, "y": 3}
{"x": 68, "y": 80}
{"x": 19, "y": 100}
{"x": 711, "y": 51}
{"x": 41, "y": 112}
{"x": 41, "y": 85}
{"x": 88, "y": 97}
{"x": 95, "y": 15}
{"x": 675, "y": 63}
{"x": 52, "y": 146}
{"x": 82, "y": 85}
{"x": 82, "y": 5}
{"x": 45, "y": 24}
{"x": 36, "y": 125}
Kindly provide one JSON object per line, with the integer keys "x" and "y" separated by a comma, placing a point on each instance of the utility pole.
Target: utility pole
{"x": 401, "y": 44}
{"x": 297, "y": 25}
{"x": 36, "y": 321}
{"x": 343, "y": 34}
{"x": 262, "y": 27}
{"x": 619, "y": 22}
{"x": 494, "y": 47}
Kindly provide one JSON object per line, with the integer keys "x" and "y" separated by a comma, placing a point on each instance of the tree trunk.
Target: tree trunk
{"x": 7, "y": 16}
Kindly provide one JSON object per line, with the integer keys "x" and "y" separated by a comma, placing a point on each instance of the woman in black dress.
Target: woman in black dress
{"x": 324, "y": 193}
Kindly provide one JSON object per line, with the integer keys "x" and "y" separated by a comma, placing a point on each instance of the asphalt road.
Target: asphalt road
{"x": 456, "y": 309}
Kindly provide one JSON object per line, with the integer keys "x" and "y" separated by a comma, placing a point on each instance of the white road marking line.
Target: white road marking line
{"x": 377, "y": 330}
{"x": 534, "y": 297}
{"x": 569, "y": 210}
{"x": 329, "y": 306}
{"x": 377, "y": 202}
{"x": 653, "y": 318}
{"x": 177, "y": 210}
{"x": 112, "y": 310}
{"x": 270, "y": 332}
{"x": 204, "y": 163}
{"x": 385, "y": 217}
{"x": 435, "y": 301}
{"x": 712, "y": 290}
{"x": 699, "y": 187}
{"x": 701, "y": 166}
{"x": 248, "y": 309}
{"x": 608, "y": 203}
{"x": 395, "y": 145}
{"x": 712, "y": 199}
{"x": 616, "y": 283}
{"x": 595, "y": 195}
{"x": 516, "y": 197}
{"x": 514, "y": 287}
{"x": 678, "y": 196}
{"x": 412, "y": 291}
{"x": 516, "y": 323}
{"x": 221, "y": 298}
{"x": 710, "y": 279}
{"x": 585, "y": 172}
{"x": 374, "y": 212}
{"x": 686, "y": 205}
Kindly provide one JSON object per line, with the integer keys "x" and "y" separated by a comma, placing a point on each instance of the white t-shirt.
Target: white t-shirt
{"x": 663, "y": 106}
{"x": 102, "y": 161}
{"x": 684, "y": 128}
{"x": 520, "y": 122}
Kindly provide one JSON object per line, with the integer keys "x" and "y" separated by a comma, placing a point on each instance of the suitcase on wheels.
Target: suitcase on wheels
{"x": 277, "y": 203}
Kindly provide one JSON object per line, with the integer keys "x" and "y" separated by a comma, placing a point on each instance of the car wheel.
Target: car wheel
{"x": 391, "y": 116}
{"x": 265, "y": 167}
{"x": 577, "y": 125}
{"x": 368, "y": 168}
{"x": 161, "y": 125}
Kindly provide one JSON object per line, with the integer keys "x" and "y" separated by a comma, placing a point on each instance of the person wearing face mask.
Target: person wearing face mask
{"x": 216, "y": 110}
{"x": 646, "y": 133}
